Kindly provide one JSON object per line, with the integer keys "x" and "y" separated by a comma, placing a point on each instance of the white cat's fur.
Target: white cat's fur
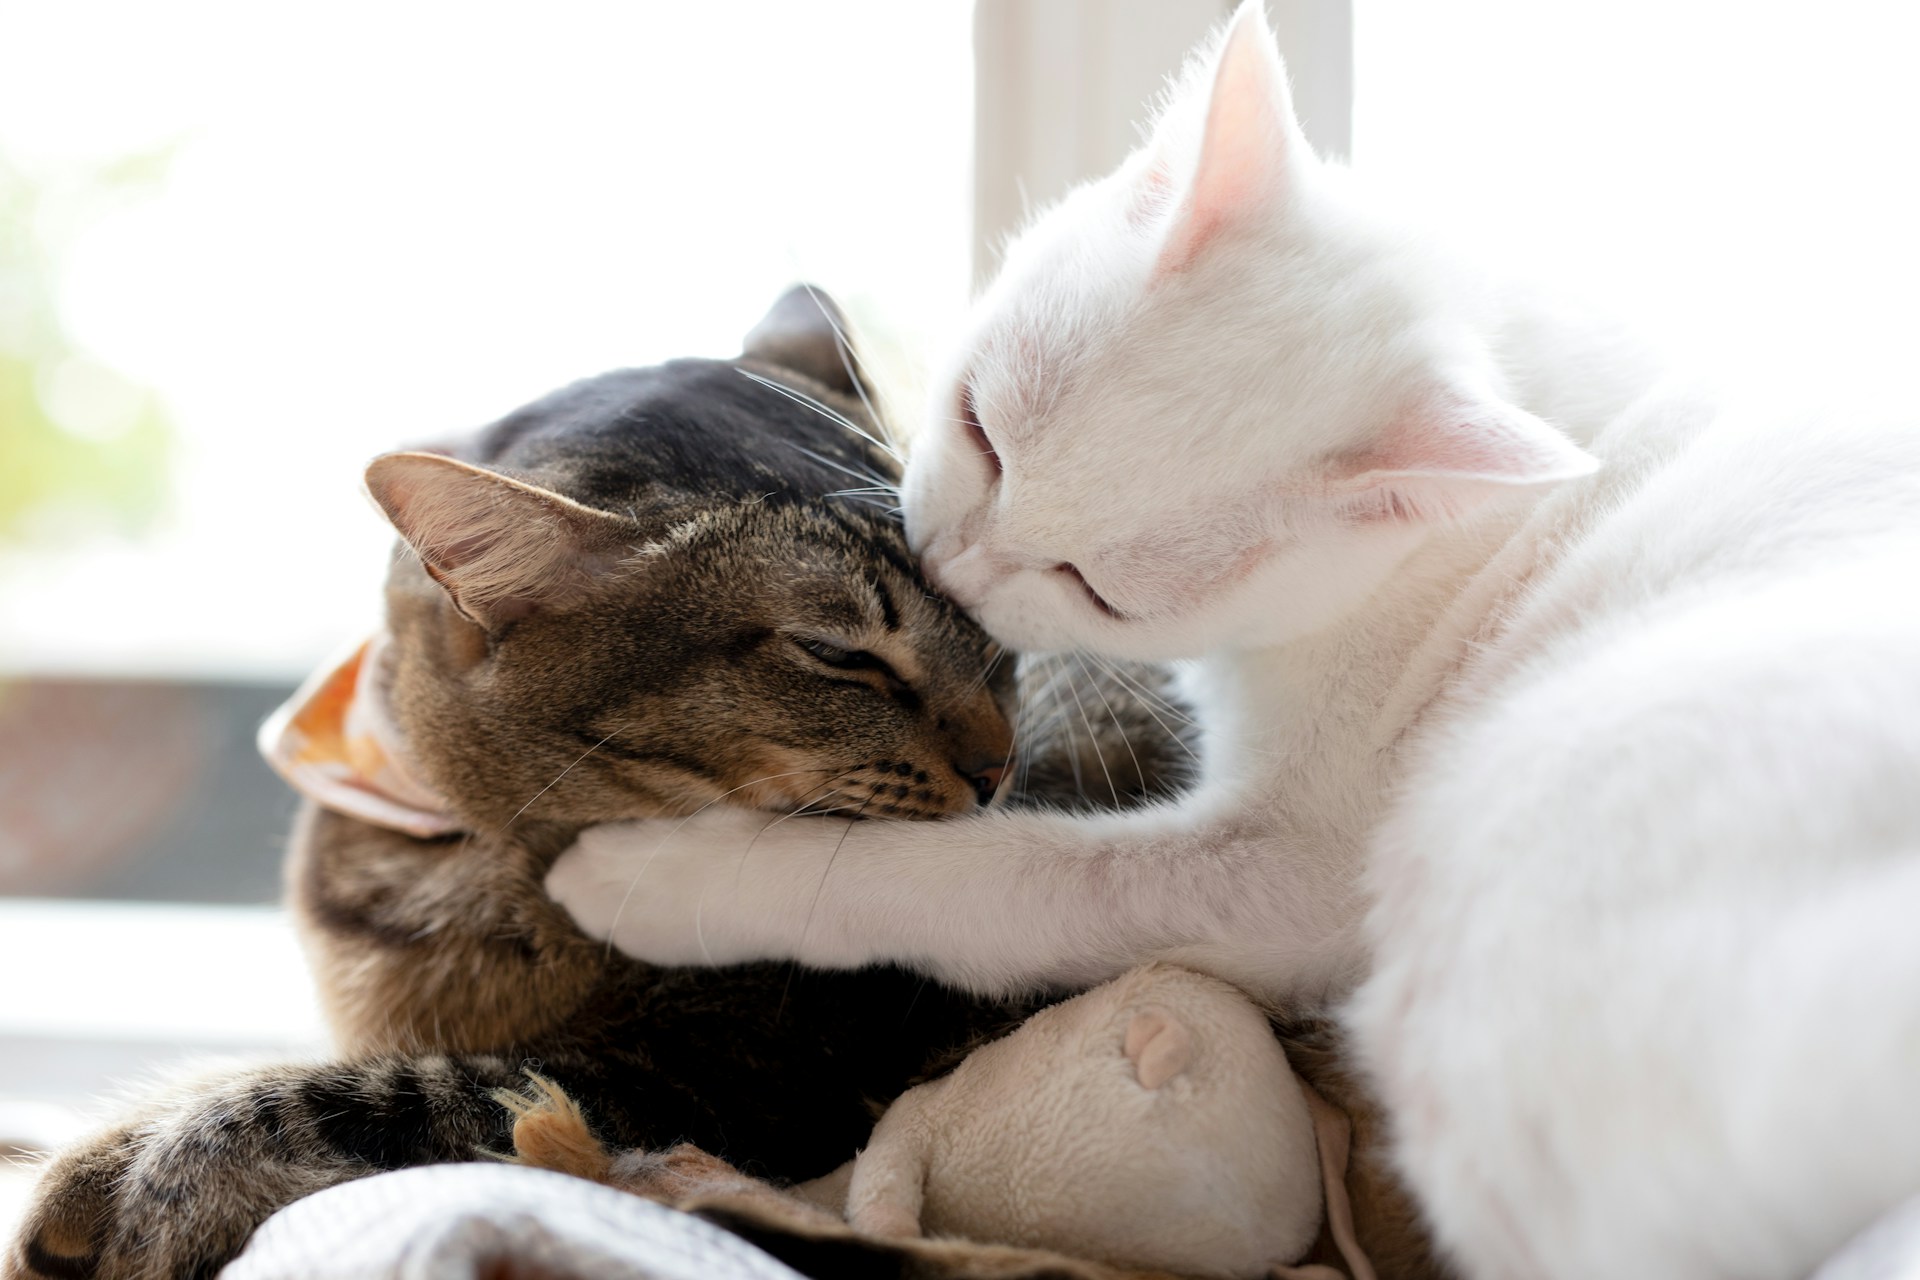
{"x": 1627, "y": 759}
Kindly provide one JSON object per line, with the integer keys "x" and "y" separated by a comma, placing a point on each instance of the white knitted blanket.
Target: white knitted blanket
{"x": 492, "y": 1222}
{"x": 503, "y": 1222}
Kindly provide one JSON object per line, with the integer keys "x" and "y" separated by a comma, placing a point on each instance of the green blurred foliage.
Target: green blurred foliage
{"x": 83, "y": 449}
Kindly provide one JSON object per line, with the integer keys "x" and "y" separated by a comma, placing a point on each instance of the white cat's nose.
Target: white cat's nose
{"x": 965, "y": 576}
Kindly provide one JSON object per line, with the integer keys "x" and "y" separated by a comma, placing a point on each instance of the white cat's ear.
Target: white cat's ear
{"x": 1250, "y": 143}
{"x": 501, "y": 548}
{"x": 1452, "y": 453}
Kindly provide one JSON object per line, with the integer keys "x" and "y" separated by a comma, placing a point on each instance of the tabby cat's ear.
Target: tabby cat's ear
{"x": 501, "y": 548}
{"x": 1250, "y": 145}
{"x": 805, "y": 332}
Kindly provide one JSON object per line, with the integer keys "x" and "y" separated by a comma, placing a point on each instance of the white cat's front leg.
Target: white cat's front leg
{"x": 729, "y": 885}
{"x": 994, "y": 902}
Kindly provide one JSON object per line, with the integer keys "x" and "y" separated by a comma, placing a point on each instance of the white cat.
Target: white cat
{"x": 1605, "y": 694}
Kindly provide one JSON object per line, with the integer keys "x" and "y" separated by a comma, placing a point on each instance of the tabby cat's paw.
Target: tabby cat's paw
{"x": 175, "y": 1192}
{"x": 129, "y": 1204}
{"x": 64, "y": 1232}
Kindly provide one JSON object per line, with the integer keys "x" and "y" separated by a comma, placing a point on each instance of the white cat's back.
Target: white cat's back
{"x": 1676, "y": 784}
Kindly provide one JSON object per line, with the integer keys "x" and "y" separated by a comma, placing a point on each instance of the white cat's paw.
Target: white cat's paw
{"x": 594, "y": 878}
{"x": 722, "y": 887}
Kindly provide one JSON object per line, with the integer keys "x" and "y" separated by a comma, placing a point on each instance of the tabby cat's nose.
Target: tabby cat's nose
{"x": 985, "y": 779}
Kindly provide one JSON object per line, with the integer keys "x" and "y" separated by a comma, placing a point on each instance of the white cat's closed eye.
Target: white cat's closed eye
{"x": 1099, "y": 601}
{"x": 969, "y": 420}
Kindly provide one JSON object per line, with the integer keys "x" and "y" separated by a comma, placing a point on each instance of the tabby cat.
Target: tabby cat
{"x": 648, "y": 592}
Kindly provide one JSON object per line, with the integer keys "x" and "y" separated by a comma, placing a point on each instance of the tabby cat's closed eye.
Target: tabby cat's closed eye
{"x": 845, "y": 659}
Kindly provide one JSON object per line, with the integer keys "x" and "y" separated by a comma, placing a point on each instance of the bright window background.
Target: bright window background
{"x": 1742, "y": 175}
{"x": 388, "y": 222}
{"x": 361, "y": 224}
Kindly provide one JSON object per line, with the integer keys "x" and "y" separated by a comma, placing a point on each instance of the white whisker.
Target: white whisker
{"x": 850, "y": 361}
{"x": 634, "y": 882}
{"x": 1134, "y": 685}
{"x": 1094, "y": 740}
{"x": 550, "y": 786}
{"x": 827, "y": 871}
{"x": 825, "y": 411}
{"x": 1125, "y": 740}
{"x": 868, "y": 476}
{"x": 1145, "y": 705}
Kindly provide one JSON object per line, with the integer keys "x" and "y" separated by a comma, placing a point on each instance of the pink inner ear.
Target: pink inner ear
{"x": 1152, "y": 196}
{"x": 1459, "y": 437}
{"x": 1250, "y": 132}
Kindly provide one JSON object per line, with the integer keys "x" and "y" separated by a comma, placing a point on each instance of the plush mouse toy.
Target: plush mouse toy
{"x": 1151, "y": 1122}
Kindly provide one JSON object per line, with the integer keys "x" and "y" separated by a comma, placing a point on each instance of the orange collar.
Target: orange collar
{"x": 335, "y": 742}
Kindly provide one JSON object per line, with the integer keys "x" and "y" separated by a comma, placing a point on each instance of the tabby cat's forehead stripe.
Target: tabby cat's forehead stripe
{"x": 888, "y": 612}
{"x": 883, "y": 546}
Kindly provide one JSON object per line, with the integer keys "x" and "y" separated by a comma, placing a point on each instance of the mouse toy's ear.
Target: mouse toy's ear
{"x": 1159, "y": 1046}
{"x": 501, "y": 548}
{"x": 805, "y": 332}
